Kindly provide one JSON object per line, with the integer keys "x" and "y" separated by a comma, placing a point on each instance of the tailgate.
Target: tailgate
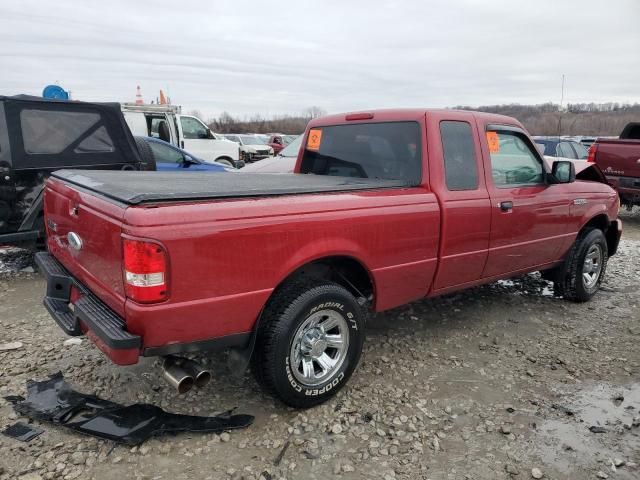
{"x": 619, "y": 157}
{"x": 84, "y": 234}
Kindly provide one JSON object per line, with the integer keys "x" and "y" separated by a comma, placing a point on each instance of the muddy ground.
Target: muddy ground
{"x": 502, "y": 381}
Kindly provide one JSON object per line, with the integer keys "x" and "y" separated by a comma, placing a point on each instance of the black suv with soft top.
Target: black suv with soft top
{"x": 38, "y": 136}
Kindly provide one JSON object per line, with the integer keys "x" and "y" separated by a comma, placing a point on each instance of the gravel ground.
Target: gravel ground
{"x": 501, "y": 381}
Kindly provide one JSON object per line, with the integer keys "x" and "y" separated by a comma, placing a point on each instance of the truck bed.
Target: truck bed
{"x": 134, "y": 188}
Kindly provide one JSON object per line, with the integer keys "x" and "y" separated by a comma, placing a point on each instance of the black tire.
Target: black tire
{"x": 284, "y": 318}
{"x": 571, "y": 283}
{"x": 146, "y": 154}
{"x": 227, "y": 162}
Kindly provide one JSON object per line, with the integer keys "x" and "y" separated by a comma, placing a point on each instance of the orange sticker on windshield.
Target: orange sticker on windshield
{"x": 314, "y": 139}
{"x": 494, "y": 142}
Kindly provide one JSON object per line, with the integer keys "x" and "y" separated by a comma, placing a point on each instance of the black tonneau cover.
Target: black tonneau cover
{"x": 134, "y": 188}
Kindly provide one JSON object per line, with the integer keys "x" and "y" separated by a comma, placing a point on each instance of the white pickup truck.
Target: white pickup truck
{"x": 167, "y": 123}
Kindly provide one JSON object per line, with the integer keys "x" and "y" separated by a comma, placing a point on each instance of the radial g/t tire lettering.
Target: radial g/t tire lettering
{"x": 309, "y": 342}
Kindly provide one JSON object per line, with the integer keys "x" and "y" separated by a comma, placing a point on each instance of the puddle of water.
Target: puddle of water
{"x": 568, "y": 444}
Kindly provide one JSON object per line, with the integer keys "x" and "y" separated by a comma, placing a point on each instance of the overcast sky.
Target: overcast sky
{"x": 281, "y": 57}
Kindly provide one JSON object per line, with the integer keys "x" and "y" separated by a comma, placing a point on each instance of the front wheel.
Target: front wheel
{"x": 309, "y": 342}
{"x": 225, "y": 162}
{"x": 585, "y": 266}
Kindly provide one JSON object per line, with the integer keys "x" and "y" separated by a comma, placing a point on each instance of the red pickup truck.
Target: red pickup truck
{"x": 388, "y": 207}
{"x": 619, "y": 159}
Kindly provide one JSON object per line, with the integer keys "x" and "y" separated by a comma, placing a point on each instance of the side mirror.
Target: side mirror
{"x": 204, "y": 135}
{"x": 188, "y": 159}
{"x": 563, "y": 171}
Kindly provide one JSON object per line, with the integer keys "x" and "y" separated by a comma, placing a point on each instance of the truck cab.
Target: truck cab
{"x": 188, "y": 132}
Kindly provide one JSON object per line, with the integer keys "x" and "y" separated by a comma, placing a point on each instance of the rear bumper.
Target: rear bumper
{"x": 87, "y": 315}
{"x": 627, "y": 187}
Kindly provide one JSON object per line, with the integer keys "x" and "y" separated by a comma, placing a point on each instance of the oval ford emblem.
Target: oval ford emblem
{"x": 74, "y": 240}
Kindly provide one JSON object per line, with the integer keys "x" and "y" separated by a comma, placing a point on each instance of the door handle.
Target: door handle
{"x": 505, "y": 206}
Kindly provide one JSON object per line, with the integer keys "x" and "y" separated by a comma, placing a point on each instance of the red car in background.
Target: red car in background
{"x": 278, "y": 141}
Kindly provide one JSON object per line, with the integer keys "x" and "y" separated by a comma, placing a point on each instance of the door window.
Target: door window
{"x": 581, "y": 150}
{"x": 460, "y": 165}
{"x": 165, "y": 154}
{"x": 513, "y": 161}
{"x": 193, "y": 128}
{"x": 155, "y": 125}
{"x": 565, "y": 150}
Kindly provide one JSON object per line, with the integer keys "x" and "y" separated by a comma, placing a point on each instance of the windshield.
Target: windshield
{"x": 251, "y": 140}
{"x": 293, "y": 148}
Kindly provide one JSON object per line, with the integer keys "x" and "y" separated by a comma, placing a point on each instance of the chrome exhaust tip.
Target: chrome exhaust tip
{"x": 176, "y": 376}
{"x": 201, "y": 375}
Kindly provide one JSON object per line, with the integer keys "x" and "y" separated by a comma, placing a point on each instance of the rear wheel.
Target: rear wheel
{"x": 583, "y": 271}
{"x": 309, "y": 342}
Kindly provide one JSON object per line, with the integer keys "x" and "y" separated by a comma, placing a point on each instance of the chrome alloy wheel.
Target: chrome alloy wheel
{"x": 592, "y": 266}
{"x": 319, "y": 347}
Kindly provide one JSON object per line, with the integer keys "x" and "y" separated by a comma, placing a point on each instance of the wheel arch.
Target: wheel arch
{"x": 346, "y": 270}
{"x": 610, "y": 229}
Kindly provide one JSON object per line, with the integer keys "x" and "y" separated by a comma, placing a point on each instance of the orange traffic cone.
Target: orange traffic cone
{"x": 163, "y": 99}
{"x": 139, "y": 100}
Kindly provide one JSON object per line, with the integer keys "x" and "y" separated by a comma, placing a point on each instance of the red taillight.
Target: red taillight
{"x": 591, "y": 156}
{"x": 145, "y": 271}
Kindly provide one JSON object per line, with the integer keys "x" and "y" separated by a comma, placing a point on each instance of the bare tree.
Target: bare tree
{"x": 314, "y": 112}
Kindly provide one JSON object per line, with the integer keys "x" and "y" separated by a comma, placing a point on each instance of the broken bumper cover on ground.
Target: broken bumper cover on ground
{"x": 54, "y": 400}
{"x": 89, "y": 315}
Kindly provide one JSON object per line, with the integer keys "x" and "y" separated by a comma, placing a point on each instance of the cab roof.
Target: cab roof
{"x": 410, "y": 114}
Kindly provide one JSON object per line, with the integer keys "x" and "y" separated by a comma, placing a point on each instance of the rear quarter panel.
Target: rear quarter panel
{"x": 619, "y": 157}
{"x": 227, "y": 257}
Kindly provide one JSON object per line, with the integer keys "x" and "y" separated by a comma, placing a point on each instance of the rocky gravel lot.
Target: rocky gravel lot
{"x": 499, "y": 382}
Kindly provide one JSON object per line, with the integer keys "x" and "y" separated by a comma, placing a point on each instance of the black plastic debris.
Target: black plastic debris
{"x": 597, "y": 429}
{"x": 22, "y": 431}
{"x": 55, "y": 401}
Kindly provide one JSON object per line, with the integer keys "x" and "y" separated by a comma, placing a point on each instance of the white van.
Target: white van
{"x": 185, "y": 131}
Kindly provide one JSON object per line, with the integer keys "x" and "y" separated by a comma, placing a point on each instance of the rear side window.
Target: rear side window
{"x": 460, "y": 165}
{"x": 513, "y": 162}
{"x": 389, "y": 150}
{"x": 52, "y": 132}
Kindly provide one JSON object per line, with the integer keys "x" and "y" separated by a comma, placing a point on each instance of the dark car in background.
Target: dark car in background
{"x": 39, "y": 136}
{"x": 562, "y": 147}
{"x": 168, "y": 158}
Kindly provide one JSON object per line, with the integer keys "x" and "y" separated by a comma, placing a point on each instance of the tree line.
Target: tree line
{"x": 593, "y": 119}
{"x": 596, "y": 119}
